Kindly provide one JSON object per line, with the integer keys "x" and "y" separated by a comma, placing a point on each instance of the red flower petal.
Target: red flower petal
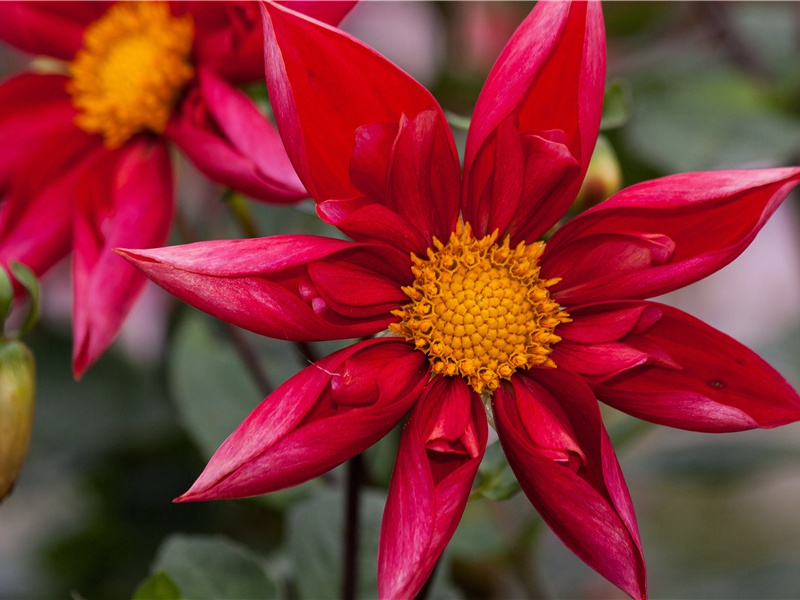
{"x": 323, "y": 99}
{"x": 536, "y": 122}
{"x": 294, "y": 287}
{"x": 660, "y": 235}
{"x": 48, "y": 28}
{"x": 125, "y": 200}
{"x": 582, "y": 497}
{"x": 233, "y": 144}
{"x": 34, "y": 110}
{"x": 229, "y": 35}
{"x": 40, "y": 179}
{"x": 704, "y": 380}
{"x": 314, "y": 422}
{"x": 440, "y": 451}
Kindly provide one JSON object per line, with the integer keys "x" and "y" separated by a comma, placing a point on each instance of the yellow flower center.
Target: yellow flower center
{"x": 131, "y": 70}
{"x": 479, "y": 309}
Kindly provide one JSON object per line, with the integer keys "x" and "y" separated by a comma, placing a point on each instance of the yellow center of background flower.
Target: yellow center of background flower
{"x": 479, "y": 309}
{"x": 131, "y": 70}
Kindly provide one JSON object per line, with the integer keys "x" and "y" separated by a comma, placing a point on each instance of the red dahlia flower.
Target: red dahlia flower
{"x": 482, "y": 318}
{"x": 85, "y": 164}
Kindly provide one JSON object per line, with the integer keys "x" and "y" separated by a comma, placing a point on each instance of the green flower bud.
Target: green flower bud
{"x": 17, "y": 396}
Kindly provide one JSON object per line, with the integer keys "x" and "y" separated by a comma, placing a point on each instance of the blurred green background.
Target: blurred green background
{"x": 693, "y": 86}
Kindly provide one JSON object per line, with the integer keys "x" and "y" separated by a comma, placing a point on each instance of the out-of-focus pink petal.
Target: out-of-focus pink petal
{"x": 582, "y": 497}
{"x": 48, "y": 28}
{"x": 660, "y": 235}
{"x": 293, "y": 287}
{"x": 229, "y": 38}
{"x": 440, "y": 451}
{"x": 34, "y": 110}
{"x": 536, "y": 122}
{"x": 38, "y": 192}
{"x": 327, "y": 110}
{"x": 691, "y": 376}
{"x": 314, "y": 422}
{"x": 222, "y": 132}
{"x": 127, "y": 200}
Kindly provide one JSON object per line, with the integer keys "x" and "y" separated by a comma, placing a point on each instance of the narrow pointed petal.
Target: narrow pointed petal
{"x": 294, "y": 287}
{"x": 442, "y": 446}
{"x": 660, "y": 235}
{"x": 688, "y": 375}
{"x": 327, "y": 413}
{"x": 229, "y": 35}
{"x": 223, "y": 134}
{"x": 331, "y": 116}
{"x": 41, "y": 180}
{"x": 127, "y": 200}
{"x": 52, "y": 29}
{"x": 526, "y": 154}
{"x": 551, "y": 431}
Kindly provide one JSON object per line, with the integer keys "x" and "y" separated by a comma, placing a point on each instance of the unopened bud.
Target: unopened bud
{"x": 603, "y": 177}
{"x": 17, "y": 397}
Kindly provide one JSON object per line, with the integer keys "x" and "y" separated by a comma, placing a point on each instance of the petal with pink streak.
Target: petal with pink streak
{"x": 310, "y": 424}
{"x": 126, "y": 200}
{"x": 660, "y": 235}
{"x": 568, "y": 470}
{"x": 691, "y": 375}
{"x": 232, "y": 143}
{"x": 518, "y": 122}
{"x": 294, "y": 287}
{"x": 322, "y": 99}
{"x": 442, "y": 446}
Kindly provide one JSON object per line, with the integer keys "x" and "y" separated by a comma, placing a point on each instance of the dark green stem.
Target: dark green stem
{"x": 355, "y": 469}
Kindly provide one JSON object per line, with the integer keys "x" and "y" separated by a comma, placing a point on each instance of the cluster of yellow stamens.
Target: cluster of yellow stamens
{"x": 479, "y": 309}
{"x": 131, "y": 70}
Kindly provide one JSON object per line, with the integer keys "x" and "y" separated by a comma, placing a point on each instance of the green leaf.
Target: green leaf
{"x": 214, "y": 392}
{"x": 158, "y": 586}
{"x": 28, "y": 280}
{"x": 718, "y": 463}
{"x": 6, "y": 296}
{"x": 616, "y": 105}
{"x": 315, "y": 534}
{"x": 688, "y": 120}
{"x": 496, "y": 480}
{"x": 214, "y": 568}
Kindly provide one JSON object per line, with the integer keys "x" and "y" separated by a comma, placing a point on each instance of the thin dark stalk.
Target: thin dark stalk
{"x": 249, "y": 357}
{"x": 240, "y": 343}
{"x": 355, "y": 470}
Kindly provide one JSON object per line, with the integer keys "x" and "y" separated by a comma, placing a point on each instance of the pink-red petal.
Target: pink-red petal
{"x": 537, "y": 116}
{"x": 660, "y": 235}
{"x": 690, "y": 376}
{"x": 293, "y": 287}
{"x": 310, "y": 424}
{"x": 223, "y": 134}
{"x": 322, "y": 101}
{"x": 48, "y": 28}
{"x": 442, "y": 446}
{"x": 229, "y": 35}
{"x": 126, "y": 199}
{"x": 584, "y": 499}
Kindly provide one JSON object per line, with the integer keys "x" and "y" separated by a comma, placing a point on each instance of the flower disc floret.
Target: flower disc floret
{"x": 480, "y": 309}
{"x": 134, "y": 63}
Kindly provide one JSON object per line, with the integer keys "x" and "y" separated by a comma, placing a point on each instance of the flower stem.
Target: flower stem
{"x": 355, "y": 468}
{"x": 249, "y": 358}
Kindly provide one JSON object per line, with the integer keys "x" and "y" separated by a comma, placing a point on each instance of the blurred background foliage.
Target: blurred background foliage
{"x": 692, "y": 86}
